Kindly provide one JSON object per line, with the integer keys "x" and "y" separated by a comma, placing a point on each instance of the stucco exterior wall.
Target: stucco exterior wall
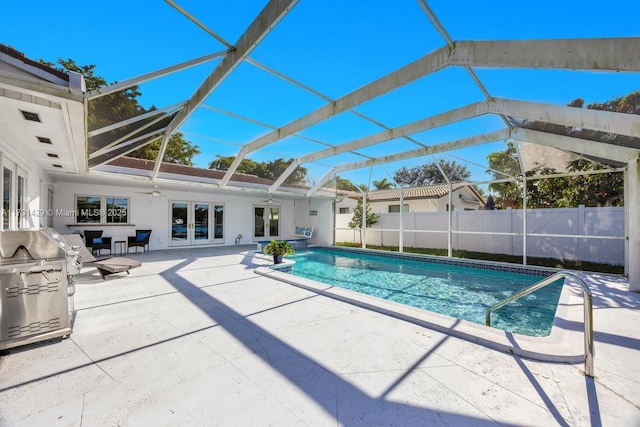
{"x": 147, "y": 212}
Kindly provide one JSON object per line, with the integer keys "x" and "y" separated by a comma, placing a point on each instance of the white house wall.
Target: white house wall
{"x": 20, "y": 163}
{"x": 147, "y": 212}
{"x": 322, "y": 221}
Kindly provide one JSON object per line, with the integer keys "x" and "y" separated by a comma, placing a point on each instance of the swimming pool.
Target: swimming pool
{"x": 459, "y": 291}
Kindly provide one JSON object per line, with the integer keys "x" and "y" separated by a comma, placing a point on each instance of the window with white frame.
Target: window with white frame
{"x": 102, "y": 210}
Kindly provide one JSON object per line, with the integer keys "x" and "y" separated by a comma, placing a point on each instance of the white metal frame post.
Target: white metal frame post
{"x": 632, "y": 211}
{"x": 524, "y": 203}
{"x": 401, "y": 236}
{"x": 364, "y": 220}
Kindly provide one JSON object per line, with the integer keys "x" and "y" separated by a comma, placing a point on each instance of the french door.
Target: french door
{"x": 266, "y": 222}
{"x": 196, "y": 223}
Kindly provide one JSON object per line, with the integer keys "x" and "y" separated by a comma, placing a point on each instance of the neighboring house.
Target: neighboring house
{"x": 429, "y": 198}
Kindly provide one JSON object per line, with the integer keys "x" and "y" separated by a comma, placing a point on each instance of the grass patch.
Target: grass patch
{"x": 514, "y": 259}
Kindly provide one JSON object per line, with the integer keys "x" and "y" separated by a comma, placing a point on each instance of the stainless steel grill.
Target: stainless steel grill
{"x": 36, "y": 275}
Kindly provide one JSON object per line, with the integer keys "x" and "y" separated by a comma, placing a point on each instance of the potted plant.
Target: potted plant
{"x": 278, "y": 248}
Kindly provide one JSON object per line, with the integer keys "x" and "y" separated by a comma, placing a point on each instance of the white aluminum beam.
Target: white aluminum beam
{"x": 580, "y": 145}
{"x": 199, "y": 24}
{"x": 266, "y": 21}
{"x": 603, "y": 54}
{"x": 419, "y": 152}
{"x": 613, "y": 54}
{"x": 605, "y": 121}
{"x": 125, "y": 84}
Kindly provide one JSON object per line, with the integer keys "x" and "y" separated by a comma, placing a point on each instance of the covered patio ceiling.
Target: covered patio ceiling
{"x": 374, "y": 120}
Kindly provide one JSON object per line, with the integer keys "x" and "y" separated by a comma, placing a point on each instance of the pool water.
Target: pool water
{"x": 457, "y": 291}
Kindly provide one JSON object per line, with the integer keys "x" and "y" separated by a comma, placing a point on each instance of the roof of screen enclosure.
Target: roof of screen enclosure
{"x": 316, "y": 131}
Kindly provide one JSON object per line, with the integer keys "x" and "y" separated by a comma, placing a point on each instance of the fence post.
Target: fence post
{"x": 510, "y": 219}
{"x": 581, "y": 231}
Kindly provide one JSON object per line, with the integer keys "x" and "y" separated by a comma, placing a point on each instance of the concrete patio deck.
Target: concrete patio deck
{"x": 196, "y": 337}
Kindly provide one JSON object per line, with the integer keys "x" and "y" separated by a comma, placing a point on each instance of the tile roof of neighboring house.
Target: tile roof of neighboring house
{"x": 426, "y": 192}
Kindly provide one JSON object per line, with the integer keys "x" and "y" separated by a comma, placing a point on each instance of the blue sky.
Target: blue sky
{"x": 333, "y": 46}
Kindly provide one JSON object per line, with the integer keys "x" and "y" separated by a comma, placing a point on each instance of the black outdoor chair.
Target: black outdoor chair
{"x": 96, "y": 242}
{"x": 140, "y": 240}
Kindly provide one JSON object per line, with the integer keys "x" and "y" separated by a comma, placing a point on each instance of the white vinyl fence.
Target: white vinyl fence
{"x": 551, "y": 233}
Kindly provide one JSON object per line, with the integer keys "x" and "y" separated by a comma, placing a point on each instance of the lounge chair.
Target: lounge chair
{"x": 105, "y": 266}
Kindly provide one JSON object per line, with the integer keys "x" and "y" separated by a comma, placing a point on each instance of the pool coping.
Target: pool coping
{"x": 565, "y": 343}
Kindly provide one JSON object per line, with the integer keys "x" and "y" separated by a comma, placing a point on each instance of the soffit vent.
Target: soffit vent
{"x": 53, "y": 155}
{"x": 32, "y": 117}
{"x": 44, "y": 140}
{"x": 57, "y": 166}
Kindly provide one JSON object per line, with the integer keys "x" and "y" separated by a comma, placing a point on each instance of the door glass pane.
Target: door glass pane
{"x": 6, "y": 198}
{"x": 201, "y": 221}
{"x": 274, "y": 222}
{"x": 178, "y": 221}
{"x": 219, "y": 224}
{"x": 258, "y": 223}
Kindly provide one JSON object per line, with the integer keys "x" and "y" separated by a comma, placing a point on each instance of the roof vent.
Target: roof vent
{"x": 44, "y": 140}
{"x": 33, "y": 117}
{"x": 53, "y": 155}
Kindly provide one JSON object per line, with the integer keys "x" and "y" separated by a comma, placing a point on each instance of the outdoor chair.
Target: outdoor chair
{"x": 141, "y": 239}
{"x": 105, "y": 266}
{"x": 94, "y": 240}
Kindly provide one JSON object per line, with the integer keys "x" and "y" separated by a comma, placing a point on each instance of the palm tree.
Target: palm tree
{"x": 383, "y": 184}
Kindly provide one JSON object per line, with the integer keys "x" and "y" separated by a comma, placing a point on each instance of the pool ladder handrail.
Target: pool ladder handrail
{"x": 588, "y": 312}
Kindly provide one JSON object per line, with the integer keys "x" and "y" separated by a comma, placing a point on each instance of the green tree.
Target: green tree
{"x": 178, "y": 151}
{"x": 269, "y": 170}
{"x": 595, "y": 189}
{"x": 123, "y": 105}
{"x": 383, "y": 184}
{"x": 357, "y": 219}
{"x": 246, "y": 166}
{"x": 509, "y": 193}
{"x": 345, "y": 184}
{"x": 429, "y": 174}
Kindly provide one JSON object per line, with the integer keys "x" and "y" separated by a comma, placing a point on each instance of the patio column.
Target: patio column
{"x": 632, "y": 213}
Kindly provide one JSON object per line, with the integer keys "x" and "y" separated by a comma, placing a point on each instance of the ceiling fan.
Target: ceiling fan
{"x": 154, "y": 193}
